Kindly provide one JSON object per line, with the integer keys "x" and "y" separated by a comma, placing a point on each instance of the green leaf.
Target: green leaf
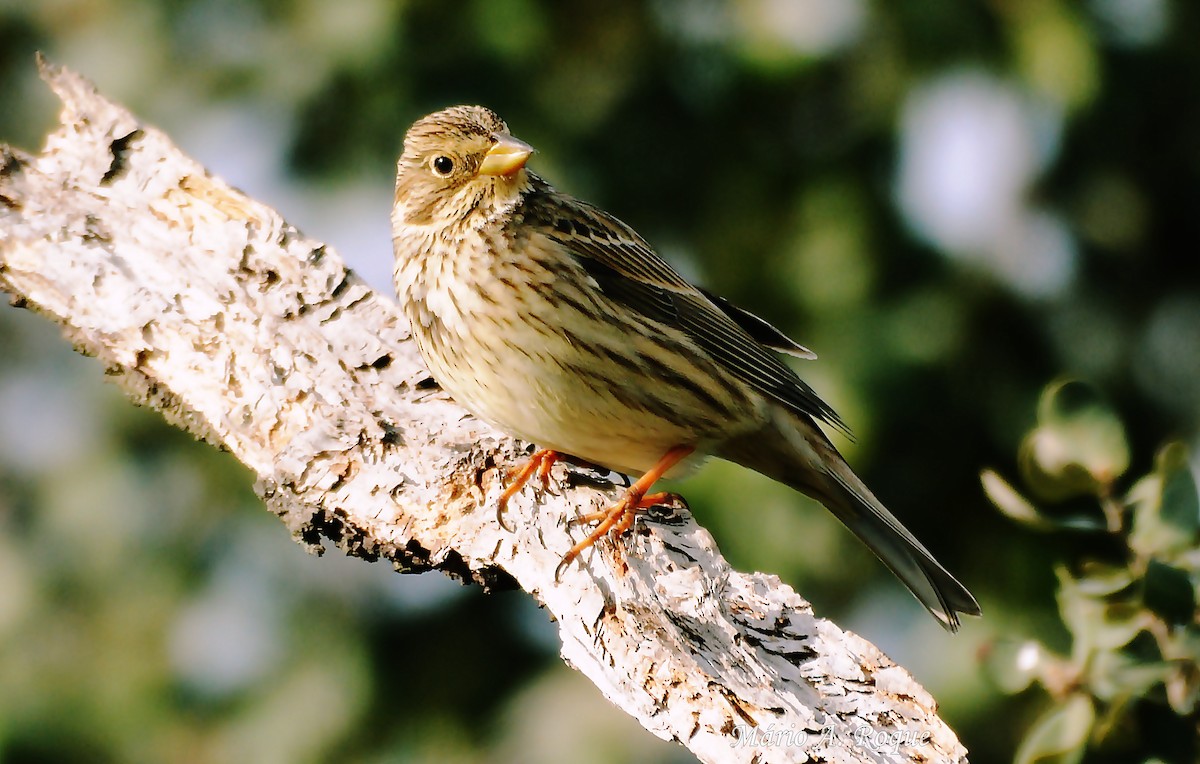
{"x": 1060, "y": 735}
{"x": 1180, "y": 502}
{"x": 1080, "y": 612}
{"x": 1095, "y": 623}
{"x": 1013, "y": 664}
{"x": 1119, "y": 623}
{"x": 1100, "y": 580}
{"x": 1015, "y": 506}
{"x": 1169, "y": 592}
{"x": 1078, "y": 446}
{"x": 1166, "y": 509}
{"x": 1113, "y": 676}
{"x": 1183, "y": 689}
{"x": 1010, "y": 502}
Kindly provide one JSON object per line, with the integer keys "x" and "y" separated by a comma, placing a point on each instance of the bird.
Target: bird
{"x": 557, "y": 323}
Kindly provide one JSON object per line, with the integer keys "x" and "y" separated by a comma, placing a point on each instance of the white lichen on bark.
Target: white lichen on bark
{"x": 209, "y": 307}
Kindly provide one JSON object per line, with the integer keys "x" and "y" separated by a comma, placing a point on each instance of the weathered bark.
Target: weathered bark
{"x": 207, "y": 306}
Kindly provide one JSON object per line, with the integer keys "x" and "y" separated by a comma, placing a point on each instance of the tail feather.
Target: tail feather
{"x": 797, "y": 453}
{"x": 858, "y": 509}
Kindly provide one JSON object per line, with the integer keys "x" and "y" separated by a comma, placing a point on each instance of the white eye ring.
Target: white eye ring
{"x": 442, "y": 165}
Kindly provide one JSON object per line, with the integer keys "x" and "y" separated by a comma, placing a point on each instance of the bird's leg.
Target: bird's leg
{"x": 650, "y": 500}
{"x": 619, "y": 517}
{"x": 540, "y": 462}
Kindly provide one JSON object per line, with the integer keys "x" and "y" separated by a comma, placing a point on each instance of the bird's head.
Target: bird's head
{"x": 459, "y": 163}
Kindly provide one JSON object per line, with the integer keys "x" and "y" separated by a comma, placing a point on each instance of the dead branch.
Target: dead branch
{"x": 207, "y": 306}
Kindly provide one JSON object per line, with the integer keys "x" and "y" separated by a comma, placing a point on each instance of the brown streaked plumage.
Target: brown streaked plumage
{"x": 557, "y": 323}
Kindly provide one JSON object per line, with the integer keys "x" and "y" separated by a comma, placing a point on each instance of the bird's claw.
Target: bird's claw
{"x": 500, "y": 517}
{"x": 567, "y": 559}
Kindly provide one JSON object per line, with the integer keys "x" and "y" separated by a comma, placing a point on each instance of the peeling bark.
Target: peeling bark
{"x": 209, "y": 307}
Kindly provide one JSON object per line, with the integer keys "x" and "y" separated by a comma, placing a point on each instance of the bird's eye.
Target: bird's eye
{"x": 443, "y": 165}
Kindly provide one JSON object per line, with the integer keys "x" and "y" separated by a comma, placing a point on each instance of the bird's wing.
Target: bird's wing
{"x": 629, "y": 272}
{"x": 762, "y": 332}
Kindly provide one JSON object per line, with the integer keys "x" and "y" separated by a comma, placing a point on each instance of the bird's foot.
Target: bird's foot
{"x": 650, "y": 500}
{"x": 539, "y": 462}
{"x": 619, "y": 518}
{"x": 615, "y": 520}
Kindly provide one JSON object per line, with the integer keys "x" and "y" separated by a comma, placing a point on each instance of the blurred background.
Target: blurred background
{"x": 951, "y": 203}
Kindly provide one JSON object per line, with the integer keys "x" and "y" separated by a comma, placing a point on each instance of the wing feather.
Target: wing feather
{"x": 629, "y": 272}
{"x": 764, "y": 333}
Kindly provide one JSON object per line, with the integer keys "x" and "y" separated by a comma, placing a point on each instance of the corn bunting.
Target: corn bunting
{"x": 557, "y": 323}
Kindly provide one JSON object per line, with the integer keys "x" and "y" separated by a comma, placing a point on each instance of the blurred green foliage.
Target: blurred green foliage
{"x": 1129, "y": 684}
{"x": 951, "y": 203}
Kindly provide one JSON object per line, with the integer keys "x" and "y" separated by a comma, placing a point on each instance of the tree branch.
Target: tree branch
{"x": 209, "y": 307}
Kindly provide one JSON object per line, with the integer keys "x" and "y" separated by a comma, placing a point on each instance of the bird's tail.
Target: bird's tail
{"x": 803, "y": 458}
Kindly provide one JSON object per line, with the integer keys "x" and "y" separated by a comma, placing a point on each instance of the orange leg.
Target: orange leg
{"x": 649, "y": 500}
{"x": 539, "y": 462}
{"x": 619, "y": 517}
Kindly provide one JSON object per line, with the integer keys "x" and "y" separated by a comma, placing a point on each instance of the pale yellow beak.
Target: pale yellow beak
{"x": 506, "y": 157}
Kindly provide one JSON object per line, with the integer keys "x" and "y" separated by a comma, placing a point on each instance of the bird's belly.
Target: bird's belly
{"x": 530, "y": 397}
{"x": 599, "y": 392}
